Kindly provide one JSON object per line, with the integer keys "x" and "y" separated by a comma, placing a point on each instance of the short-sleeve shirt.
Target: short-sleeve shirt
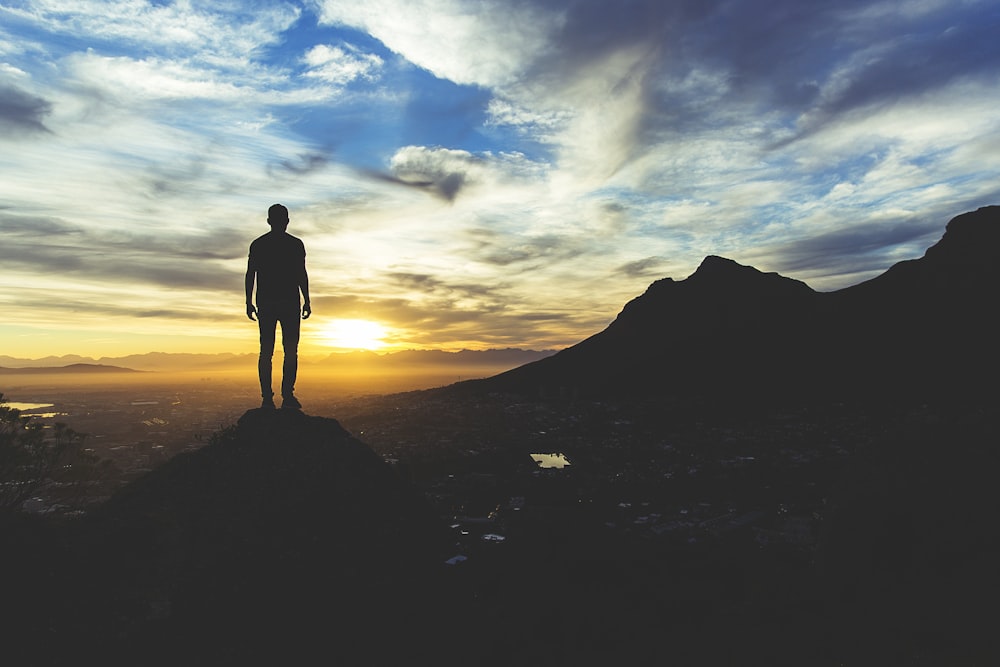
{"x": 279, "y": 261}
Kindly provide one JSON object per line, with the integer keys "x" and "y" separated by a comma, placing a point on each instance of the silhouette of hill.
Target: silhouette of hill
{"x": 71, "y": 368}
{"x": 489, "y": 360}
{"x": 64, "y": 360}
{"x": 928, "y": 321}
{"x": 150, "y": 361}
{"x": 925, "y": 329}
{"x": 282, "y": 534}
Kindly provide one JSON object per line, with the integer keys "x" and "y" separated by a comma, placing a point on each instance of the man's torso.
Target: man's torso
{"x": 279, "y": 262}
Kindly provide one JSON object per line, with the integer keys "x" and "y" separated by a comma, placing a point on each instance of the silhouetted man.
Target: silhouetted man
{"x": 278, "y": 262}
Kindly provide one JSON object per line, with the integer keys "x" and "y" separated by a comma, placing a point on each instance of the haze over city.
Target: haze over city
{"x": 467, "y": 175}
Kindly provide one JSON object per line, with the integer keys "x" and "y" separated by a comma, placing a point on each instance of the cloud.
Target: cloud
{"x": 503, "y": 112}
{"x": 447, "y": 293}
{"x": 69, "y": 253}
{"x": 487, "y": 43}
{"x": 442, "y": 321}
{"x": 304, "y": 163}
{"x": 189, "y": 52}
{"x": 130, "y": 82}
{"x": 135, "y": 269}
{"x": 221, "y": 31}
{"x": 849, "y": 254}
{"x": 446, "y": 172}
{"x": 530, "y": 252}
{"x": 616, "y": 80}
{"x": 648, "y": 267}
{"x": 339, "y": 66}
{"x": 39, "y": 228}
{"x": 21, "y": 112}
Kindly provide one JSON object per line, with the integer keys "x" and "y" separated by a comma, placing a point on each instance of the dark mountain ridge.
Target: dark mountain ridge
{"x": 924, "y": 329}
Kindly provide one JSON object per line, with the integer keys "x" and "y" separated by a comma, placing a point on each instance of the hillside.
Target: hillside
{"x": 281, "y": 533}
{"x": 924, "y": 330}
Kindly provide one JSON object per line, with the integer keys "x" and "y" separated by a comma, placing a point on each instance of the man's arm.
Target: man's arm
{"x": 248, "y": 283}
{"x": 304, "y": 286}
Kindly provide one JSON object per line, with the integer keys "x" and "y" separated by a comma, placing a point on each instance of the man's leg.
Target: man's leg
{"x": 267, "y": 321}
{"x": 290, "y": 327}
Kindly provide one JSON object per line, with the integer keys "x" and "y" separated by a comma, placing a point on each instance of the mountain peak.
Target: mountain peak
{"x": 719, "y": 274}
{"x": 972, "y": 236}
{"x": 722, "y": 272}
{"x": 717, "y": 262}
{"x": 714, "y": 265}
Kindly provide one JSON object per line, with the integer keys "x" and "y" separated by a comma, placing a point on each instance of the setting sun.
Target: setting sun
{"x": 354, "y": 334}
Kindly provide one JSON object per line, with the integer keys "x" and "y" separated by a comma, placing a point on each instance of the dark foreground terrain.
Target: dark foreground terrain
{"x": 859, "y": 538}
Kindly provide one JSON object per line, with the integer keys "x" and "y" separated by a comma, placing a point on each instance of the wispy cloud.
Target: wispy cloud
{"x": 648, "y": 267}
{"x": 168, "y": 261}
{"x": 22, "y": 112}
{"x": 340, "y": 65}
{"x": 229, "y": 30}
{"x": 447, "y": 172}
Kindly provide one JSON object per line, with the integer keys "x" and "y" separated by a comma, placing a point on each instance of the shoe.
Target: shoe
{"x": 290, "y": 402}
{"x": 267, "y": 402}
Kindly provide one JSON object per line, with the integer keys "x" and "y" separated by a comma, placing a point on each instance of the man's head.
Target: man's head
{"x": 277, "y": 217}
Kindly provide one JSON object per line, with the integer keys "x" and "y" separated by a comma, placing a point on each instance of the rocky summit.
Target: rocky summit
{"x": 282, "y": 535}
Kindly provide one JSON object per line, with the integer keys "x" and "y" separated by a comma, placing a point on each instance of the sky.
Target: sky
{"x": 468, "y": 173}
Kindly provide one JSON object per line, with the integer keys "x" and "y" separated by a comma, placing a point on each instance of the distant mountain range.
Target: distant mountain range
{"x": 69, "y": 368}
{"x": 925, "y": 329}
{"x": 492, "y": 361}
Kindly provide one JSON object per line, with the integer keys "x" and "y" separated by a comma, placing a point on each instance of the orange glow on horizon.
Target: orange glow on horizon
{"x": 353, "y": 335}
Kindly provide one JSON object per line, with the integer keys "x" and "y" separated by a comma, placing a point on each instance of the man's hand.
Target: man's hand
{"x": 251, "y": 311}
{"x": 306, "y": 310}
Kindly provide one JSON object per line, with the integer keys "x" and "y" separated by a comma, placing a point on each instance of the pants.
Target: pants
{"x": 268, "y": 317}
